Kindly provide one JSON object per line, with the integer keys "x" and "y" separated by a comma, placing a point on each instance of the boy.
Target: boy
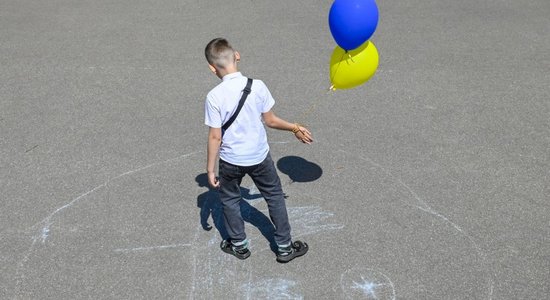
{"x": 243, "y": 149}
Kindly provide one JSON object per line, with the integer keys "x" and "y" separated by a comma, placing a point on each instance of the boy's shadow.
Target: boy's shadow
{"x": 210, "y": 205}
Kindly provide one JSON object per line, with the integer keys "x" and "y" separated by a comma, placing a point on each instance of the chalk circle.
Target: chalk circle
{"x": 299, "y": 169}
{"x": 364, "y": 283}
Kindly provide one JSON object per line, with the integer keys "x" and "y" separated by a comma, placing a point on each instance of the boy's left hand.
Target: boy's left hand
{"x": 303, "y": 135}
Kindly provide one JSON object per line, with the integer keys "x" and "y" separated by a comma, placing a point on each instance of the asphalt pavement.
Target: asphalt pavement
{"x": 430, "y": 181}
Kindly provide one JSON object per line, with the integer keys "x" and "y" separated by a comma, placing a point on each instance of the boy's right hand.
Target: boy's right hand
{"x": 213, "y": 180}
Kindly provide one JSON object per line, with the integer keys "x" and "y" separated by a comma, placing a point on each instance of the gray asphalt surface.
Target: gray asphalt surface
{"x": 430, "y": 181}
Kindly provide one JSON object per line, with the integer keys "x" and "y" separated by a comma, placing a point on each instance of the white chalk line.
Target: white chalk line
{"x": 142, "y": 249}
{"x": 315, "y": 213}
{"x": 193, "y": 284}
{"x": 45, "y": 230}
{"x": 281, "y": 142}
{"x": 249, "y": 287}
{"x": 391, "y": 284}
{"x": 368, "y": 287}
{"x": 273, "y": 288}
{"x": 306, "y": 222}
{"x": 429, "y": 210}
{"x": 312, "y": 218}
{"x": 47, "y": 221}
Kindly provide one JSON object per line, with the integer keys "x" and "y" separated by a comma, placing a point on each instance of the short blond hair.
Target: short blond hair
{"x": 219, "y": 53}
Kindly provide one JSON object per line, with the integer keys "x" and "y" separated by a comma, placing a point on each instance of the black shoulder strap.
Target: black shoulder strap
{"x": 246, "y": 91}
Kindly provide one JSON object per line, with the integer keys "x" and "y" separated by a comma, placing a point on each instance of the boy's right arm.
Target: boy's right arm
{"x": 213, "y": 148}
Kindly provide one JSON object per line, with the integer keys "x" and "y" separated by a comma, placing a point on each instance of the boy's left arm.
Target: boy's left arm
{"x": 301, "y": 132}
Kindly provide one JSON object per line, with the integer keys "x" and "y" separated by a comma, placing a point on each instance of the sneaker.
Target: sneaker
{"x": 295, "y": 249}
{"x": 240, "y": 252}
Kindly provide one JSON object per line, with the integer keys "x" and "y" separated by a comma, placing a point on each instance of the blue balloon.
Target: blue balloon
{"x": 352, "y": 22}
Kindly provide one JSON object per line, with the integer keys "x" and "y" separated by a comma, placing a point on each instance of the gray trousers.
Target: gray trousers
{"x": 268, "y": 183}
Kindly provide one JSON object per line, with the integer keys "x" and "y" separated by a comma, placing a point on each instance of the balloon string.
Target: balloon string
{"x": 306, "y": 113}
{"x": 331, "y": 88}
{"x": 350, "y": 57}
{"x": 312, "y": 108}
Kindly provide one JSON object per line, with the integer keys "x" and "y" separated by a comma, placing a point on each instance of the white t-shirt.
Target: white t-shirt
{"x": 244, "y": 143}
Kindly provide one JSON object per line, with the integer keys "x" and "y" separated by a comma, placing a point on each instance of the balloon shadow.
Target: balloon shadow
{"x": 210, "y": 205}
{"x": 299, "y": 169}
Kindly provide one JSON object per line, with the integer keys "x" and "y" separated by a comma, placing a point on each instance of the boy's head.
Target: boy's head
{"x": 222, "y": 58}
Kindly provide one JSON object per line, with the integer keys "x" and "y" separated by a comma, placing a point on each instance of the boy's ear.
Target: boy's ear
{"x": 212, "y": 68}
{"x": 237, "y": 56}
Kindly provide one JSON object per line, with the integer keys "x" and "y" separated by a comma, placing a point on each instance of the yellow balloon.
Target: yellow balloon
{"x": 354, "y": 67}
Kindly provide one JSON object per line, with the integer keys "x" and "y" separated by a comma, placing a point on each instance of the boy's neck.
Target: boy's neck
{"x": 227, "y": 71}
